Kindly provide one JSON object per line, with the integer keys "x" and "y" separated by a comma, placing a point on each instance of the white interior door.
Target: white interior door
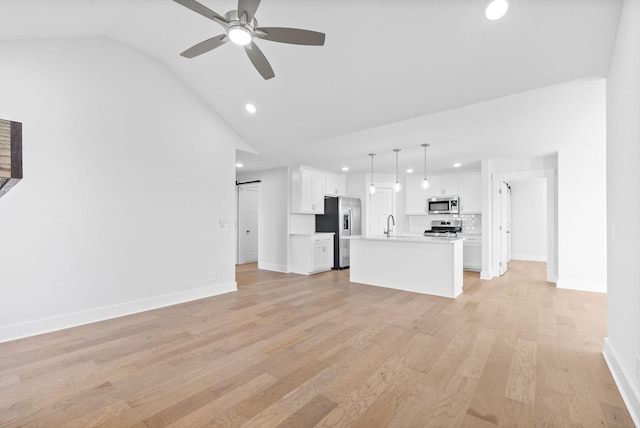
{"x": 248, "y": 208}
{"x": 503, "y": 215}
{"x": 509, "y": 235}
{"x": 381, "y": 204}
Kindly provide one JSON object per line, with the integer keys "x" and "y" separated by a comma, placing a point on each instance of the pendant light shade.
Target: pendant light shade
{"x": 372, "y": 188}
{"x": 425, "y": 182}
{"x": 397, "y": 187}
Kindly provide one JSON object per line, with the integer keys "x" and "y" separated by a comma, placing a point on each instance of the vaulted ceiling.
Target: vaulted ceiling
{"x": 391, "y": 74}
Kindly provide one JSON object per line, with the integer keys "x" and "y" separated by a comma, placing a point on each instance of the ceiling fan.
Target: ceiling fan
{"x": 241, "y": 28}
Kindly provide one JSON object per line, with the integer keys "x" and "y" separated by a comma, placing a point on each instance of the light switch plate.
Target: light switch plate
{"x": 223, "y": 225}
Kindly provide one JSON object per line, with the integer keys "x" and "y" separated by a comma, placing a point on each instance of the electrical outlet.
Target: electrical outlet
{"x": 214, "y": 276}
{"x": 638, "y": 367}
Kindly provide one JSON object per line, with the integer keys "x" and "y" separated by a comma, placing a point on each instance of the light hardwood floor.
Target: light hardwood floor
{"x": 296, "y": 351}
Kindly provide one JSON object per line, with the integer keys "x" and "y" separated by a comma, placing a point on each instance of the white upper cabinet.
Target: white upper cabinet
{"x": 415, "y": 196}
{"x": 335, "y": 185}
{"x": 470, "y": 194}
{"x": 307, "y": 191}
{"x": 443, "y": 185}
{"x": 466, "y": 186}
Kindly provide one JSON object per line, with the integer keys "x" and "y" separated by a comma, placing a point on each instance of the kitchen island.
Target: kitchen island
{"x": 428, "y": 265}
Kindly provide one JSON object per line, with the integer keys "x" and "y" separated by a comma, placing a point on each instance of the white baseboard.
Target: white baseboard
{"x": 582, "y": 285}
{"x": 552, "y": 278}
{"x": 624, "y": 382}
{"x": 529, "y": 257}
{"x": 486, "y": 274}
{"x": 60, "y": 322}
{"x": 273, "y": 267}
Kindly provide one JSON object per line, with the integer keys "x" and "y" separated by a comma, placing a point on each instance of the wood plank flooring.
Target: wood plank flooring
{"x": 296, "y": 351}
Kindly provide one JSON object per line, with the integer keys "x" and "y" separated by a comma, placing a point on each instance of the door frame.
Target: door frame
{"x": 493, "y": 243}
{"x": 240, "y": 219}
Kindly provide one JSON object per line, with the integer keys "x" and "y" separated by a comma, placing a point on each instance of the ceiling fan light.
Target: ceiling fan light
{"x": 240, "y": 35}
{"x": 496, "y": 9}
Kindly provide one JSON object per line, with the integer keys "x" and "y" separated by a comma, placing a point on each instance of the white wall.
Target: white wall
{"x": 127, "y": 174}
{"x": 529, "y": 220}
{"x": 273, "y": 217}
{"x": 622, "y": 346}
{"x": 582, "y": 243}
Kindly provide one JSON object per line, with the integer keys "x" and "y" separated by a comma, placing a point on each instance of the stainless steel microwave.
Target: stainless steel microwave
{"x": 444, "y": 205}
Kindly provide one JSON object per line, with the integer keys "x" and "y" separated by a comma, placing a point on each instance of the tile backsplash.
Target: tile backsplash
{"x": 471, "y": 223}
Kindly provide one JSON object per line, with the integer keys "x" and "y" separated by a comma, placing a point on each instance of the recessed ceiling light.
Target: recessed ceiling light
{"x": 496, "y": 9}
{"x": 409, "y": 171}
{"x": 345, "y": 168}
{"x": 250, "y": 108}
{"x": 239, "y": 165}
{"x": 457, "y": 165}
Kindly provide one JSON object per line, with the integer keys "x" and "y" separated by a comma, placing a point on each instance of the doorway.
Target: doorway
{"x": 545, "y": 209}
{"x": 248, "y": 209}
{"x": 382, "y": 205}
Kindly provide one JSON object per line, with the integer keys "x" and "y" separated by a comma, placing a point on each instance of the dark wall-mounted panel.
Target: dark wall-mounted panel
{"x": 10, "y": 154}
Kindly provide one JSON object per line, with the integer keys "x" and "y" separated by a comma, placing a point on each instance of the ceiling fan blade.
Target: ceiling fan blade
{"x": 249, "y": 7}
{"x": 294, "y": 36}
{"x": 202, "y": 10}
{"x": 259, "y": 61}
{"x": 206, "y": 46}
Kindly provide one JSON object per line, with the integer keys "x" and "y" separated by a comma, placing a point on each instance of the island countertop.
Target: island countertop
{"x": 421, "y": 264}
{"x": 408, "y": 238}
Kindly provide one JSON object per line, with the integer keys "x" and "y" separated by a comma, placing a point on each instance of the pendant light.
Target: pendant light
{"x": 425, "y": 182}
{"x": 397, "y": 187}
{"x": 372, "y": 188}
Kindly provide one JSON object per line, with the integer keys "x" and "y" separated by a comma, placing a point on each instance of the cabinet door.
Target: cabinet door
{"x": 335, "y": 185}
{"x": 327, "y": 253}
{"x": 415, "y": 196}
{"x": 450, "y": 185}
{"x": 316, "y": 254}
{"x": 306, "y": 192}
{"x": 470, "y": 194}
{"x": 317, "y": 193}
{"x": 472, "y": 256}
{"x": 436, "y": 186}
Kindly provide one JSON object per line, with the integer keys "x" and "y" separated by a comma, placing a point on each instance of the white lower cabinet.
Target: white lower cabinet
{"x": 311, "y": 253}
{"x": 472, "y": 254}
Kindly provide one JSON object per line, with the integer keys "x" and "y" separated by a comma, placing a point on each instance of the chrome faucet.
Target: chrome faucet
{"x": 388, "y": 231}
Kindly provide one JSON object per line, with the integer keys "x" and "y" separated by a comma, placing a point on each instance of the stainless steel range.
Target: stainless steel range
{"x": 444, "y": 228}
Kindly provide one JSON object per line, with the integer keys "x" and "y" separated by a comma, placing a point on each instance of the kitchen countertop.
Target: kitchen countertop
{"x": 311, "y": 233}
{"x": 408, "y": 238}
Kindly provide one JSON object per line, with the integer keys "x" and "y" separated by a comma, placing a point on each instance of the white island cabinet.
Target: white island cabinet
{"x": 427, "y": 265}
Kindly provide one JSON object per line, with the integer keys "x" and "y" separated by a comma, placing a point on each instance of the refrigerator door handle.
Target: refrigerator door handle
{"x": 350, "y": 222}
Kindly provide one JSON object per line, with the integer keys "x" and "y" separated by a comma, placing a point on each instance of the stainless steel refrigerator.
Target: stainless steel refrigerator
{"x": 341, "y": 216}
